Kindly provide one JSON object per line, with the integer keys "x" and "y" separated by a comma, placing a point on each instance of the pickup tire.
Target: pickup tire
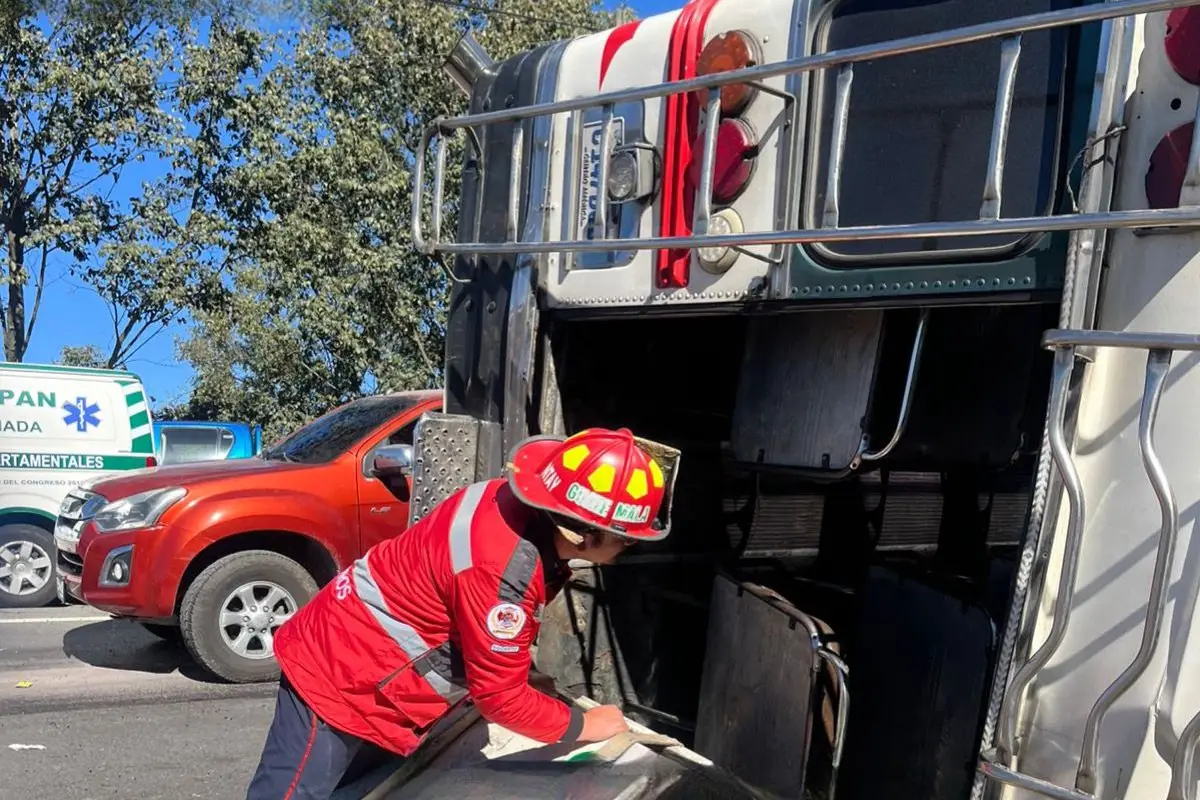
{"x": 27, "y": 566}
{"x": 232, "y": 609}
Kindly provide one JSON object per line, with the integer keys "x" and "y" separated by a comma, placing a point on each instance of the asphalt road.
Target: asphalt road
{"x": 119, "y": 713}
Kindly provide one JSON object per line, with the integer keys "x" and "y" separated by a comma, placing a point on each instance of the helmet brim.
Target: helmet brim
{"x": 526, "y": 484}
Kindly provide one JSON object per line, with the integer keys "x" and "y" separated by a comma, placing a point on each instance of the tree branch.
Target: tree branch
{"x": 163, "y": 320}
{"x": 37, "y": 294}
{"x": 116, "y": 166}
{"x": 417, "y": 337}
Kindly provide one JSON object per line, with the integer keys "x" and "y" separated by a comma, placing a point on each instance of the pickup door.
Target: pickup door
{"x": 383, "y": 505}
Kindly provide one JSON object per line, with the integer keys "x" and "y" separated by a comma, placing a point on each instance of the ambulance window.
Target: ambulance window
{"x": 919, "y": 126}
{"x": 184, "y": 445}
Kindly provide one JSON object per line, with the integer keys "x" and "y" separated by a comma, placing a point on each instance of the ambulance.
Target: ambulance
{"x": 59, "y": 427}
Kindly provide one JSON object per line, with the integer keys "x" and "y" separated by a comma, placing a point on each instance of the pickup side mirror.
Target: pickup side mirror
{"x": 392, "y": 460}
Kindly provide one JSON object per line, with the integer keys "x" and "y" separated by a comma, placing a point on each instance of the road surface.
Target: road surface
{"x": 120, "y": 714}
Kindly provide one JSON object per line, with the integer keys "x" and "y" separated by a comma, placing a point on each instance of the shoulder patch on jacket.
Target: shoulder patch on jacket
{"x": 505, "y": 620}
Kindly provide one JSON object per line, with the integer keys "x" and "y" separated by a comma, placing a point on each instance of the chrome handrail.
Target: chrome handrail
{"x": 988, "y": 223}
{"x": 1108, "y": 220}
{"x": 1067, "y": 345}
{"x": 997, "y": 29}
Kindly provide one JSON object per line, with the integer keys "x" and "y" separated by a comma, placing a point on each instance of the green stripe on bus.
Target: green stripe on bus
{"x": 75, "y": 461}
{"x": 134, "y": 398}
{"x": 143, "y": 444}
{"x": 139, "y": 419}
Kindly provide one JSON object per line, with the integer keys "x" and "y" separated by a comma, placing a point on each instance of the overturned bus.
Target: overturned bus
{"x": 911, "y": 289}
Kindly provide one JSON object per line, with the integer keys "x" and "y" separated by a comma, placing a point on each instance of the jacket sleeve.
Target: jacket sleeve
{"x": 495, "y": 637}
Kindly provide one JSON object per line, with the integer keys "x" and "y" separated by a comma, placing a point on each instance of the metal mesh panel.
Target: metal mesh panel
{"x": 444, "y": 457}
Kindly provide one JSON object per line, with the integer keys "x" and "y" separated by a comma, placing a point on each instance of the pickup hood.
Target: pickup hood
{"x": 248, "y": 473}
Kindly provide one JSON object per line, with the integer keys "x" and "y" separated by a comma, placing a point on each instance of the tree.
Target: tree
{"x": 87, "y": 355}
{"x": 88, "y": 93}
{"x": 328, "y": 300}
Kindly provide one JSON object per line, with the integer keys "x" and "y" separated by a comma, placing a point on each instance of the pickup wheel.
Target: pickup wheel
{"x": 27, "y": 568}
{"x": 230, "y": 613}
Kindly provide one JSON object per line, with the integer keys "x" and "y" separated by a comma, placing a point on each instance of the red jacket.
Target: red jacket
{"x": 447, "y": 609}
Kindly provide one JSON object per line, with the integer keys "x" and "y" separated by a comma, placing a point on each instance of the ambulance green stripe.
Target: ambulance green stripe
{"x": 111, "y": 373}
{"x": 33, "y": 512}
{"x": 71, "y": 461}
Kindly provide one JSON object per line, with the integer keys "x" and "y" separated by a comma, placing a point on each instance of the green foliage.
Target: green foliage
{"x": 328, "y": 299}
{"x": 278, "y": 223}
{"x": 89, "y": 91}
{"x": 87, "y": 355}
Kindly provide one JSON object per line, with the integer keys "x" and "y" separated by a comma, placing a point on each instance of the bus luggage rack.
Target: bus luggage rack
{"x": 995, "y": 763}
{"x": 989, "y": 222}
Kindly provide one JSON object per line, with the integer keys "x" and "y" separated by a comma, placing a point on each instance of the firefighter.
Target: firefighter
{"x": 449, "y": 610}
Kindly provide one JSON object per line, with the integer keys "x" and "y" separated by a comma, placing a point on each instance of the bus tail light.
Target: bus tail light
{"x": 729, "y": 51}
{"x": 719, "y": 259}
{"x": 733, "y": 166}
{"x": 737, "y": 144}
{"x": 1182, "y": 43}
{"x": 1168, "y": 166}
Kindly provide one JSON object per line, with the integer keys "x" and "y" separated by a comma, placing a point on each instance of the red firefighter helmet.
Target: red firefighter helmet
{"x": 599, "y": 477}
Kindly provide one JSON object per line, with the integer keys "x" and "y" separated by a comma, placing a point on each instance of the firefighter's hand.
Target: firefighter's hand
{"x": 543, "y": 683}
{"x": 602, "y": 722}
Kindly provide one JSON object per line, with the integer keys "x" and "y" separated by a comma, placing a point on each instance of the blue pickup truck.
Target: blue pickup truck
{"x": 180, "y": 441}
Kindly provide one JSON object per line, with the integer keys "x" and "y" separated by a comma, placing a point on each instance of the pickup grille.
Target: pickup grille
{"x": 70, "y": 564}
{"x": 77, "y": 508}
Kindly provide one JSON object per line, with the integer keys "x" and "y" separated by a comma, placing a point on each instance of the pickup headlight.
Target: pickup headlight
{"x": 137, "y": 511}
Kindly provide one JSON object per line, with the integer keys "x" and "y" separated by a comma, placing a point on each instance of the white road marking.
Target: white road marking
{"x": 48, "y": 620}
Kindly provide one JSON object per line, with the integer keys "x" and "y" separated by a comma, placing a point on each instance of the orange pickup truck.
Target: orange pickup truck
{"x": 220, "y": 554}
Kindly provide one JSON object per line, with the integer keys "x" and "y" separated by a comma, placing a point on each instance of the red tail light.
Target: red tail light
{"x": 1182, "y": 43}
{"x": 151, "y": 461}
{"x": 734, "y": 162}
{"x": 736, "y": 143}
{"x": 1168, "y": 164}
{"x": 729, "y": 51}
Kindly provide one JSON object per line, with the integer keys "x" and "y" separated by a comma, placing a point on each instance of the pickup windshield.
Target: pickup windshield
{"x": 327, "y": 437}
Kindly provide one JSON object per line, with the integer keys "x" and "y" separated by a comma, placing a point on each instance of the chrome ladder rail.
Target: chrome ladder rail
{"x": 996, "y": 765}
{"x": 989, "y": 221}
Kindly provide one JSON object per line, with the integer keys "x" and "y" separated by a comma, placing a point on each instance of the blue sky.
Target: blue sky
{"x": 72, "y": 314}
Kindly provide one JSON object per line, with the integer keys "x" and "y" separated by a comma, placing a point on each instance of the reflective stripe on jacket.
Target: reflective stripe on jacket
{"x": 447, "y": 609}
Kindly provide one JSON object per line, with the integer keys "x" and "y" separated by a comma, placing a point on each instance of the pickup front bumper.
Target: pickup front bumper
{"x": 112, "y": 572}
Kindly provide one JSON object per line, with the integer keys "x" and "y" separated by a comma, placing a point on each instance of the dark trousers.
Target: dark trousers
{"x": 305, "y": 759}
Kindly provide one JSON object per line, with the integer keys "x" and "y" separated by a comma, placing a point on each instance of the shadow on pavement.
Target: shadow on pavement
{"x": 121, "y": 644}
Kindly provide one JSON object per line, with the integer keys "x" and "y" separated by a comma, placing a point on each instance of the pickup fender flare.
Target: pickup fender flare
{"x": 213, "y": 518}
